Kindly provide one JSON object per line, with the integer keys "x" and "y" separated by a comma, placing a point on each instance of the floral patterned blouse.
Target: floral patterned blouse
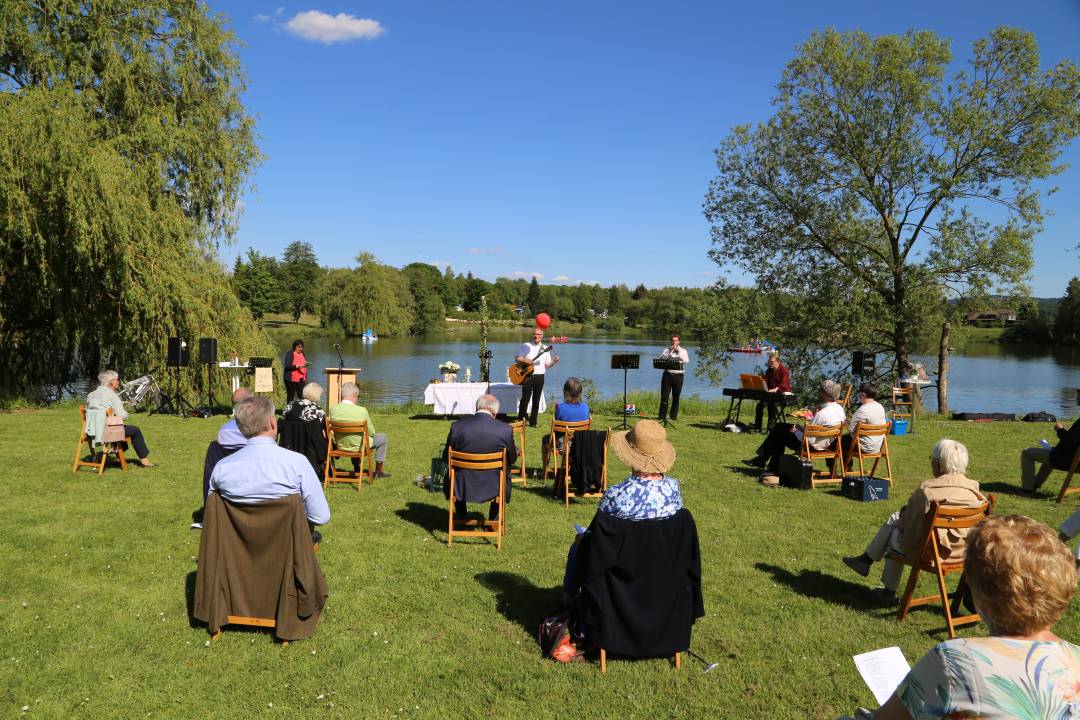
{"x": 638, "y": 499}
{"x": 303, "y": 409}
{"x": 995, "y": 678}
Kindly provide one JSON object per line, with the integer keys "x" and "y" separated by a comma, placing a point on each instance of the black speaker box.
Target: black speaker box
{"x": 208, "y": 350}
{"x": 179, "y": 353}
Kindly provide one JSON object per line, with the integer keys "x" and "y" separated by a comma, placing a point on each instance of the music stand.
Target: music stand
{"x": 662, "y": 363}
{"x": 625, "y": 362}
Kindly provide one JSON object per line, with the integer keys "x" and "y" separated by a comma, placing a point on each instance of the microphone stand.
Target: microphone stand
{"x": 341, "y": 360}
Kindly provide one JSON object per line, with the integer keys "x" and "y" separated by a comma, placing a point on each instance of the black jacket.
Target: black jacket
{"x": 641, "y": 584}
{"x": 479, "y": 433}
{"x": 305, "y": 437}
{"x": 587, "y": 460}
{"x": 1062, "y": 455}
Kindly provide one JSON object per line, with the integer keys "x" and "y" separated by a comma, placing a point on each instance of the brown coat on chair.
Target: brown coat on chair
{"x": 951, "y": 489}
{"x": 258, "y": 561}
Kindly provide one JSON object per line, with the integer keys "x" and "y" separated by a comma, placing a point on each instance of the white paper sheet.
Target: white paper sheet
{"x": 882, "y": 670}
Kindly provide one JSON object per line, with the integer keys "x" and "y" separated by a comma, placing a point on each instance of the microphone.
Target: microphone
{"x": 336, "y": 346}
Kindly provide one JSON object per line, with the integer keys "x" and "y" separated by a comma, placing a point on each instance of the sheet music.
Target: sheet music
{"x": 882, "y": 670}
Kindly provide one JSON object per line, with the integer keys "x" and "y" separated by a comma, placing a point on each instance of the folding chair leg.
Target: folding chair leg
{"x": 945, "y": 604}
{"x": 603, "y": 660}
{"x": 905, "y": 604}
{"x": 678, "y": 661}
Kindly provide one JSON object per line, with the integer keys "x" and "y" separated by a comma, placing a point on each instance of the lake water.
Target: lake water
{"x": 987, "y": 378}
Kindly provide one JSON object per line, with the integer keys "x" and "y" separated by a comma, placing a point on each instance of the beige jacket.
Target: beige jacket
{"x": 951, "y": 489}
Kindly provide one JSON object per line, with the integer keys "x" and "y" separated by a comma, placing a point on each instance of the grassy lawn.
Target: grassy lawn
{"x": 97, "y": 571}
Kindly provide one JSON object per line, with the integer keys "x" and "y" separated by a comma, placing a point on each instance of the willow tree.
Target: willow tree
{"x": 372, "y": 295}
{"x": 123, "y": 152}
{"x": 879, "y": 188}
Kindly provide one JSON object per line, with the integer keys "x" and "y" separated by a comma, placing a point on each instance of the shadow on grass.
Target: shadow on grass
{"x": 708, "y": 426}
{"x": 518, "y": 600}
{"x": 831, "y": 589}
{"x": 443, "y": 418}
{"x": 1015, "y": 490}
{"x": 429, "y": 517}
{"x": 189, "y": 595}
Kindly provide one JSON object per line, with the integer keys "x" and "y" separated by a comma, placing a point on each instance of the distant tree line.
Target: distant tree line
{"x": 415, "y": 299}
{"x": 1039, "y": 326}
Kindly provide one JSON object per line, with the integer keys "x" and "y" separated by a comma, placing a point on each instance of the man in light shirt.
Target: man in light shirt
{"x": 263, "y": 471}
{"x": 349, "y": 410}
{"x": 671, "y": 381}
{"x": 786, "y": 435}
{"x": 870, "y": 412}
{"x": 533, "y": 387}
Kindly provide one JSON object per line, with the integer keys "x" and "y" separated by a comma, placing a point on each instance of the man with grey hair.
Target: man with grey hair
{"x": 348, "y": 410}
{"x": 904, "y": 530}
{"x": 786, "y": 435}
{"x": 479, "y": 433}
{"x": 263, "y": 471}
{"x": 105, "y": 398}
{"x": 229, "y": 440}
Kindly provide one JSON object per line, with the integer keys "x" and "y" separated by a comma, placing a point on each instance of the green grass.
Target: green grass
{"x": 94, "y": 617}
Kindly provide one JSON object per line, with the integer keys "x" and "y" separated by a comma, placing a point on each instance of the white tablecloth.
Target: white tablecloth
{"x": 460, "y": 398}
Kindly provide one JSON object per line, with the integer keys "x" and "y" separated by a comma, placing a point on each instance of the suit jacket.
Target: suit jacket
{"x": 641, "y": 583}
{"x": 950, "y": 489}
{"x": 479, "y": 433}
{"x": 587, "y": 460}
{"x": 305, "y": 437}
{"x": 258, "y": 560}
{"x": 1062, "y": 455}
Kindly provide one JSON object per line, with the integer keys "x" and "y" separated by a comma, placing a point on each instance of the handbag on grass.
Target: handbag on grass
{"x": 114, "y": 429}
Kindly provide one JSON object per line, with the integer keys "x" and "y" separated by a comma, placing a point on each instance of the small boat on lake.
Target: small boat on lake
{"x": 369, "y": 336}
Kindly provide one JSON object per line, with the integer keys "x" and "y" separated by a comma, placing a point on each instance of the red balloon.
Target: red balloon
{"x": 543, "y": 321}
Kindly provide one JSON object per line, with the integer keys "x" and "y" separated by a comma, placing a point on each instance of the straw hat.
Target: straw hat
{"x": 645, "y": 447}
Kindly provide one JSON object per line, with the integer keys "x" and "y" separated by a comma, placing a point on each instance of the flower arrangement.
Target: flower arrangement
{"x": 449, "y": 367}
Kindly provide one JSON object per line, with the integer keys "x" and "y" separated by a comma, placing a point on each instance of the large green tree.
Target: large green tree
{"x": 257, "y": 283}
{"x": 426, "y": 285}
{"x": 879, "y": 188}
{"x": 1067, "y": 322}
{"x": 123, "y": 152}
{"x": 372, "y": 295}
{"x": 298, "y": 276}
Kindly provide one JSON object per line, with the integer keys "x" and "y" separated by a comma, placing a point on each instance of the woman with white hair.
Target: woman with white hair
{"x": 104, "y": 398}
{"x": 906, "y": 528}
{"x": 306, "y": 407}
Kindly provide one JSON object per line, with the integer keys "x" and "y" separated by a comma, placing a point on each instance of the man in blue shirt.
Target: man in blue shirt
{"x": 229, "y": 440}
{"x": 263, "y": 471}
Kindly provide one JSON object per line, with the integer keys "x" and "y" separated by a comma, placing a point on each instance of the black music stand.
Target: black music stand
{"x": 662, "y": 363}
{"x": 625, "y": 362}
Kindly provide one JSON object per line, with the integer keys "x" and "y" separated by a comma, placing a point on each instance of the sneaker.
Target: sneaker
{"x": 196, "y": 526}
{"x": 858, "y": 565}
{"x": 756, "y": 461}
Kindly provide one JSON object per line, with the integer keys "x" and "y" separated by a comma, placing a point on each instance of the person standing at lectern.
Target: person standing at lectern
{"x": 672, "y": 380}
{"x": 533, "y": 387}
{"x": 294, "y": 365}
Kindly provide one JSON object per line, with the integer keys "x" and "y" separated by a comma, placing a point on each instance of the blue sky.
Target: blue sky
{"x": 569, "y": 139}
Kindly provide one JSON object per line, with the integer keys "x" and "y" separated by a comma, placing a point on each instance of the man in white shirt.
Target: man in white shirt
{"x": 671, "y": 381}
{"x": 533, "y": 387}
{"x": 786, "y": 435}
{"x": 869, "y": 412}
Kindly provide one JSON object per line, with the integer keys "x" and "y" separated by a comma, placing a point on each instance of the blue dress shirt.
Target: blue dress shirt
{"x": 263, "y": 471}
{"x": 229, "y": 436}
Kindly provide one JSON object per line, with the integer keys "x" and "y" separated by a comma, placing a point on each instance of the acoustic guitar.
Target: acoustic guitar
{"x": 518, "y": 372}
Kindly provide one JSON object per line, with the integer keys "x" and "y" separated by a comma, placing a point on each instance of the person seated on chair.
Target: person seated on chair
{"x": 777, "y": 380}
{"x": 105, "y": 397}
{"x": 905, "y": 529}
{"x": 229, "y": 440}
{"x": 263, "y": 471}
{"x": 349, "y": 411}
{"x": 571, "y": 409}
{"x": 649, "y": 493}
{"x": 1022, "y": 579}
{"x": 479, "y": 433}
{"x": 869, "y": 412}
{"x": 306, "y": 408}
{"x": 786, "y": 435}
{"x": 1059, "y": 457}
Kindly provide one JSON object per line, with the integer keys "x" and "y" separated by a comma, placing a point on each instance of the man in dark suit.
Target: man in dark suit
{"x": 479, "y": 433}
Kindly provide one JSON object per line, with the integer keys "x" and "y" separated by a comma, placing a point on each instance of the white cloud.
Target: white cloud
{"x": 485, "y": 250}
{"x": 561, "y": 278}
{"x": 262, "y": 17}
{"x": 523, "y": 274}
{"x": 329, "y": 29}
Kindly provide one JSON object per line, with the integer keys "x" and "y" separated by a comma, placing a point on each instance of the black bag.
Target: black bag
{"x": 795, "y": 472}
{"x": 1041, "y": 416}
{"x": 551, "y": 631}
{"x": 865, "y": 488}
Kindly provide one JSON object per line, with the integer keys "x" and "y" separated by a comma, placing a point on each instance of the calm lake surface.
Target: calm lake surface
{"x": 987, "y": 378}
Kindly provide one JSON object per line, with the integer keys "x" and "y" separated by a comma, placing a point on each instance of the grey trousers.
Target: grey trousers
{"x": 887, "y": 538}
{"x": 1029, "y": 478}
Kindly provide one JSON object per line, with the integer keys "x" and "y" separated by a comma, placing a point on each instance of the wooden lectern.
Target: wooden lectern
{"x": 335, "y": 378}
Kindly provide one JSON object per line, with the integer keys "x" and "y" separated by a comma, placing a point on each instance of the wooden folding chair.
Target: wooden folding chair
{"x": 1065, "y": 489}
{"x": 333, "y": 474}
{"x": 824, "y": 432}
{"x": 863, "y": 430}
{"x": 845, "y": 395}
{"x": 559, "y": 428}
{"x": 517, "y": 475}
{"x": 903, "y": 406}
{"x": 603, "y": 660}
{"x": 566, "y": 479}
{"x": 478, "y": 461}
{"x": 106, "y": 448}
{"x": 942, "y": 518}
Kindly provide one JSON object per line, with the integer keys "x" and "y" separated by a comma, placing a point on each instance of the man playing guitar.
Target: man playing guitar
{"x": 531, "y": 390}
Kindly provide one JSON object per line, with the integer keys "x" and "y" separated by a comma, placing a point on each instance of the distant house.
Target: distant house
{"x": 990, "y": 318}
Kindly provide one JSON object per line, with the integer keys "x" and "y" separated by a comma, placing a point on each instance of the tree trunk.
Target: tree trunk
{"x": 943, "y": 371}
